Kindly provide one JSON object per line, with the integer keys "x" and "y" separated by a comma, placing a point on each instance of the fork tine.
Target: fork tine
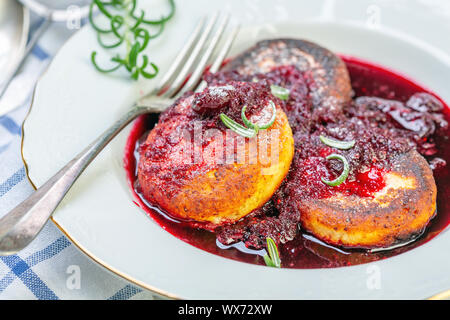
{"x": 200, "y": 68}
{"x": 180, "y": 57}
{"x": 224, "y": 50}
{"x": 220, "y": 56}
{"x": 179, "y": 80}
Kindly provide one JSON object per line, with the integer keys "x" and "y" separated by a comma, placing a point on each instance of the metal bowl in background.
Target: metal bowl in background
{"x": 58, "y": 11}
{"x": 14, "y": 28}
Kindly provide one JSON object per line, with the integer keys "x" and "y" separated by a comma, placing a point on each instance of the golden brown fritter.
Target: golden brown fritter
{"x": 210, "y": 192}
{"x": 397, "y": 213}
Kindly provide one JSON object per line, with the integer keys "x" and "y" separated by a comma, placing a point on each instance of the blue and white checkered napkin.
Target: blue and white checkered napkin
{"x": 51, "y": 267}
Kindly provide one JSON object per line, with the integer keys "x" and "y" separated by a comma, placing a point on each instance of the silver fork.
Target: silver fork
{"x": 22, "y": 224}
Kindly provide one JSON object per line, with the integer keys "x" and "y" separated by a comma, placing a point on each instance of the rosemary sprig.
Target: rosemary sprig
{"x": 343, "y": 145}
{"x": 127, "y": 27}
{"x": 272, "y": 259}
{"x": 344, "y": 174}
{"x": 236, "y": 127}
{"x": 256, "y": 127}
{"x": 280, "y": 92}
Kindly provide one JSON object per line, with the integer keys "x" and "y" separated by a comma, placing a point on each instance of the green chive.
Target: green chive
{"x": 343, "y": 145}
{"x": 344, "y": 174}
{"x": 280, "y": 92}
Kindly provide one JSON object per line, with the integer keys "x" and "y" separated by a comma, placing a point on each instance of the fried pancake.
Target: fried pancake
{"x": 210, "y": 192}
{"x": 397, "y": 213}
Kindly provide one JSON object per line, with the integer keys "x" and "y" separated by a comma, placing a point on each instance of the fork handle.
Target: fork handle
{"x": 22, "y": 224}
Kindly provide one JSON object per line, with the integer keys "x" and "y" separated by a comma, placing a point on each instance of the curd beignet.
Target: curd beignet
{"x": 197, "y": 170}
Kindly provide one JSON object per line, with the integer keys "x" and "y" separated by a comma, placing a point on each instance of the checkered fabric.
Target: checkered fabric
{"x": 51, "y": 267}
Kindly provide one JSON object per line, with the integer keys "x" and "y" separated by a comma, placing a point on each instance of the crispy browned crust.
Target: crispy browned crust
{"x": 331, "y": 88}
{"x": 394, "y": 216}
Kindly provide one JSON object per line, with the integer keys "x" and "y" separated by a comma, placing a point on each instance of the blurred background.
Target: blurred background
{"x": 32, "y": 31}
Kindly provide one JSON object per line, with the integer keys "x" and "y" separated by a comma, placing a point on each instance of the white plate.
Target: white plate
{"x": 73, "y": 104}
